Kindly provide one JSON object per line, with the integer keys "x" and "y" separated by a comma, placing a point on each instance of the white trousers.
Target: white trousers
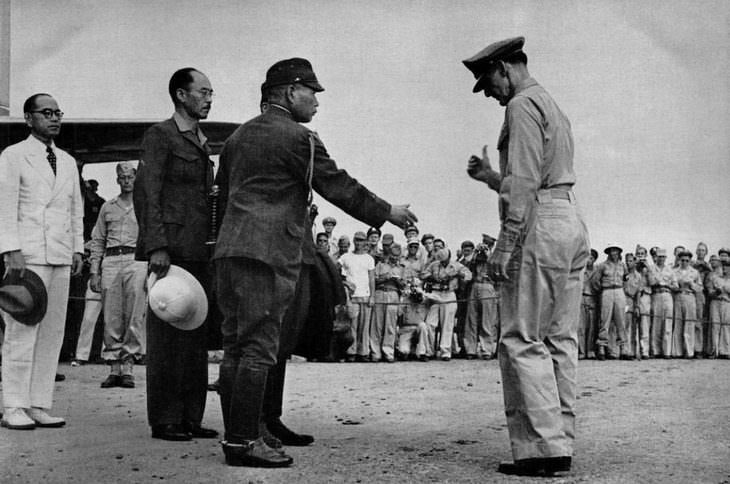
{"x": 30, "y": 353}
{"x": 92, "y": 309}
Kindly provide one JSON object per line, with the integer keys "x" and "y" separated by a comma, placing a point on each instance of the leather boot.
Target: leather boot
{"x": 246, "y": 400}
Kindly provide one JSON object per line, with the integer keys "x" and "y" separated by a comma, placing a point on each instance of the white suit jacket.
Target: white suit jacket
{"x": 40, "y": 214}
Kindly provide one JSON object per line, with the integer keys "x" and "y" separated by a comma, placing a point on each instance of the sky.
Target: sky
{"x": 645, "y": 85}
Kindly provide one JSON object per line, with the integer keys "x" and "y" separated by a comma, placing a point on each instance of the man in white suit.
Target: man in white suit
{"x": 41, "y": 215}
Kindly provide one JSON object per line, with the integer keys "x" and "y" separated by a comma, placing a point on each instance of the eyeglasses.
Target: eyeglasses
{"x": 204, "y": 92}
{"x": 49, "y": 113}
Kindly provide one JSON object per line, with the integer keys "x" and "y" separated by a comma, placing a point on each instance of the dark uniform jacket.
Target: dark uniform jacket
{"x": 171, "y": 190}
{"x": 264, "y": 183}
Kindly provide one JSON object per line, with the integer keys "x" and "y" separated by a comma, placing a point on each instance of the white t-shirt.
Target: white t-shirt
{"x": 355, "y": 268}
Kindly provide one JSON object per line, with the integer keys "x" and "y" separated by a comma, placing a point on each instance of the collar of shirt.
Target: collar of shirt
{"x": 117, "y": 201}
{"x": 280, "y": 110}
{"x": 187, "y": 125}
{"x": 521, "y": 86}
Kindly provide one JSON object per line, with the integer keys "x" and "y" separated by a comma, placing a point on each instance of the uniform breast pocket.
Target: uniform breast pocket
{"x": 186, "y": 166}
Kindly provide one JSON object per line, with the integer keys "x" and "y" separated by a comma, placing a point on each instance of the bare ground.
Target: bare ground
{"x": 649, "y": 421}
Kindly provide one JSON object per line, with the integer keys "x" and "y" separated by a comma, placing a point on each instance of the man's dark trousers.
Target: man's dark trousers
{"x": 177, "y": 365}
{"x": 291, "y": 328}
{"x": 253, "y": 300}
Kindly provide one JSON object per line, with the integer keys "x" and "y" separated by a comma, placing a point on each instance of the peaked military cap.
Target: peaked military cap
{"x": 291, "y": 71}
{"x": 479, "y": 63}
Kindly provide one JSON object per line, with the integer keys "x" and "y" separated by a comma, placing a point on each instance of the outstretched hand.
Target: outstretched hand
{"x": 401, "y": 216}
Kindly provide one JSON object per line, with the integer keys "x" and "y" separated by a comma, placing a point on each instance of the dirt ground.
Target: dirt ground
{"x": 649, "y": 421}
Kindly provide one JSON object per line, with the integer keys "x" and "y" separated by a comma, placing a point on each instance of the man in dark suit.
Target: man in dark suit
{"x": 268, "y": 170}
{"x": 171, "y": 203}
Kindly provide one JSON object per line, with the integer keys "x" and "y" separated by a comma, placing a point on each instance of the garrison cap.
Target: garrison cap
{"x": 291, "y": 71}
{"x": 479, "y": 63}
{"x": 343, "y": 238}
{"x": 359, "y": 235}
{"x": 427, "y": 237}
{"x": 329, "y": 220}
{"x": 467, "y": 243}
{"x": 387, "y": 239}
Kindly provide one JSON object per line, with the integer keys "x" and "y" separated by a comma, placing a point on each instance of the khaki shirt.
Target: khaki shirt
{"x": 535, "y": 152}
{"x": 115, "y": 227}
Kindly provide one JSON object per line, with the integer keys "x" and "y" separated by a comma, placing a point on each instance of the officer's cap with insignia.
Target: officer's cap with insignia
{"x": 292, "y": 71}
{"x": 479, "y": 63}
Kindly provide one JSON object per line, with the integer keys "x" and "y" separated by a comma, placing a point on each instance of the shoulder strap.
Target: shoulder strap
{"x": 310, "y": 168}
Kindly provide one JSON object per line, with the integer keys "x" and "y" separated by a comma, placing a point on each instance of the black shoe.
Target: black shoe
{"x": 198, "y": 432}
{"x": 627, "y": 357}
{"x": 126, "y": 381}
{"x": 423, "y": 358}
{"x": 170, "y": 432}
{"x": 215, "y": 386}
{"x": 112, "y": 381}
{"x": 538, "y": 467}
{"x": 269, "y": 438}
{"x": 288, "y": 437}
{"x": 60, "y": 377}
{"x": 254, "y": 453}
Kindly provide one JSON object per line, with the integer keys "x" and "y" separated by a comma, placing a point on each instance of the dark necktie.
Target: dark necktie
{"x": 51, "y": 159}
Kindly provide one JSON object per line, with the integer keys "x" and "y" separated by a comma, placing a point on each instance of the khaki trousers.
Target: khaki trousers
{"x": 613, "y": 310}
{"x": 720, "y": 317}
{"x": 360, "y": 328}
{"x": 30, "y": 353}
{"x": 587, "y": 328}
{"x": 383, "y": 327}
{"x": 683, "y": 332}
{"x": 442, "y": 315}
{"x": 538, "y": 348}
{"x": 482, "y": 320}
{"x": 662, "y": 308}
{"x": 125, "y": 306}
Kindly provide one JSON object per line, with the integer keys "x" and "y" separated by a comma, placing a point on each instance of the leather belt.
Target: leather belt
{"x": 440, "y": 287}
{"x": 686, "y": 291}
{"x": 119, "y": 250}
{"x": 588, "y": 295}
{"x": 658, "y": 290}
{"x": 555, "y": 193}
{"x": 612, "y": 287}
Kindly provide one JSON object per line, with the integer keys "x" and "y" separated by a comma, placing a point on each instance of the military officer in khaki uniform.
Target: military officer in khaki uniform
{"x": 540, "y": 254}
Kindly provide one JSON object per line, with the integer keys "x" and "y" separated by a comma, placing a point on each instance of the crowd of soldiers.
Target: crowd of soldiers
{"x": 422, "y": 302}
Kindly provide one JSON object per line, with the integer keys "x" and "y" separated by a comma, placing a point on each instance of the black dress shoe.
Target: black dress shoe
{"x": 537, "y": 467}
{"x": 170, "y": 432}
{"x": 198, "y": 432}
{"x": 126, "y": 381}
{"x": 112, "y": 381}
{"x": 287, "y": 436}
{"x": 215, "y": 386}
{"x": 254, "y": 453}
